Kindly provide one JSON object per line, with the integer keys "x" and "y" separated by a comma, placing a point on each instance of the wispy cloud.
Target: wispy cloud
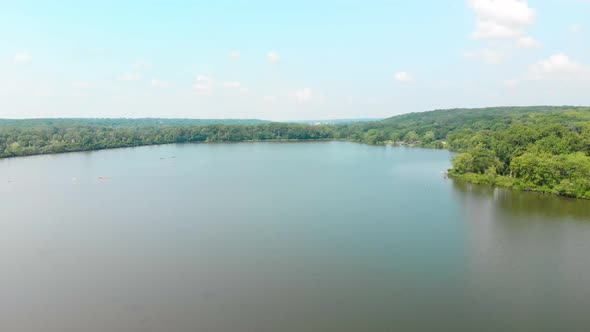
{"x": 502, "y": 24}
{"x": 22, "y": 58}
{"x": 558, "y": 67}
{"x": 403, "y": 77}
{"x": 303, "y": 95}
{"x": 576, "y": 28}
{"x": 203, "y": 85}
{"x": 273, "y": 57}
{"x": 235, "y": 54}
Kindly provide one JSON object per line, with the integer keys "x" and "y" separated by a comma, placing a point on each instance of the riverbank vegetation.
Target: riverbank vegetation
{"x": 545, "y": 149}
{"x": 538, "y": 151}
{"x": 31, "y": 137}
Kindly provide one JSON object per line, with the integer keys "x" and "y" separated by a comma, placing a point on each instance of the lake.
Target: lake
{"x": 327, "y": 236}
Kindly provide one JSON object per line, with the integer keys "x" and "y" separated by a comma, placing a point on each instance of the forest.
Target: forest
{"x": 542, "y": 148}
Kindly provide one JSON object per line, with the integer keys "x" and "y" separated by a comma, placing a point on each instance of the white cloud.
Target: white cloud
{"x": 269, "y": 99}
{"x": 488, "y": 55}
{"x": 234, "y": 54}
{"x": 130, "y": 77}
{"x": 157, "y": 83}
{"x": 403, "y": 77}
{"x": 135, "y": 74}
{"x": 558, "y": 67}
{"x": 204, "y": 85}
{"x": 503, "y": 24}
{"x": 576, "y": 28}
{"x": 232, "y": 84}
{"x": 501, "y": 19}
{"x": 273, "y": 57}
{"x": 493, "y": 30}
{"x": 22, "y": 58}
{"x": 303, "y": 95}
{"x": 527, "y": 42}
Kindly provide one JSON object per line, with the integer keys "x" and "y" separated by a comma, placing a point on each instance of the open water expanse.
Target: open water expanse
{"x": 257, "y": 237}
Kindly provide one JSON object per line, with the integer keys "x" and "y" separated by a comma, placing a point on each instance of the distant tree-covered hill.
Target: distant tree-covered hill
{"x": 544, "y": 148}
{"x": 428, "y": 127}
{"x": 120, "y": 122}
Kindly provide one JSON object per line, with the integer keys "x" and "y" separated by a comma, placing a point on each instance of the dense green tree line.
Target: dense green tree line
{"x": 82, "y": 136}
{"x": 541, "y": 148}
{"x": 547, "y": 152}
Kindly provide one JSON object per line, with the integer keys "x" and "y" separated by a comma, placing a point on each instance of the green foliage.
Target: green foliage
{"x": 483, "y": 159}
{"x": 374, "y": 136}
{"x": 463, "y": 163}
{"x": 30, "y": 137}
{"x": 428, "y": 137}
{"x": 478, "y": 160}
{"x": 538, "y": 148}
{"x": 411, "y": 137}
{"x": 491, "y": 175}
{"x": 488, "y": 179}
{"x": 565, "y": 174}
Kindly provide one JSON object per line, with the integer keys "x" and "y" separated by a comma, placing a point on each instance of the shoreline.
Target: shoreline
{"x": 169, "y": 143}
{"x": 504, "y": 182}
{"x": 472, "y": 178}
{"x": 226, "y": 142}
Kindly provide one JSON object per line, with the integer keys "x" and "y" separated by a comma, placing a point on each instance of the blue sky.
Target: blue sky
{"x": 282, "y": 60}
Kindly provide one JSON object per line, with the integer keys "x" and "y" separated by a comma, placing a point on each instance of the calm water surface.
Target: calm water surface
{"x": 282, "y": 237}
